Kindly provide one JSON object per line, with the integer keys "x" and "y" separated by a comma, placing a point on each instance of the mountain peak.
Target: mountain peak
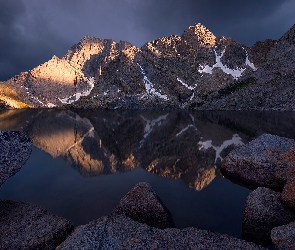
{"x": 87, "y": 40}
{"x": 289, "y": 36}
{"x": 199, "y": 34}
{"x": 198, "y": 26}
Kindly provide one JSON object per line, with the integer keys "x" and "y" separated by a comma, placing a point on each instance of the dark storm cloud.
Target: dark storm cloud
{"x": 245, "y": 21}
{"x": 31, "y": 31}
{"x": 25, "y": 39}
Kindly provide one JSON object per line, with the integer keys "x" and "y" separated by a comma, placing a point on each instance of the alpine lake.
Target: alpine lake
{"x": 84, "y": 161}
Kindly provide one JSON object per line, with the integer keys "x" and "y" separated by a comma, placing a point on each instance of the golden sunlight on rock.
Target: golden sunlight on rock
{"x": 9, "y": 97}
{"x": 79, "y": 54}
{"x": 130, "y": 162}
{"x": 84, "y": 162}
{"x": 130, "y": 52}
{"x": 55, "y": 143}
{"x": 204, "y": 177}
{"x": 57, "y": 70}
{"x": 203, "y": 35}
{"x": 113, "y": 51}
{"x": 9, "y": 119}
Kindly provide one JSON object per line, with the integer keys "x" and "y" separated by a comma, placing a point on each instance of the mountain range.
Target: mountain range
{"x": 195, "y": 70}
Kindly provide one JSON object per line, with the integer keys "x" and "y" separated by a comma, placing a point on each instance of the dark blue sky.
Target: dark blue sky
{"x": 31, "y": 31}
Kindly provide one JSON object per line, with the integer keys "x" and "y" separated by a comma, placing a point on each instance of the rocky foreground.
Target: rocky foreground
{"x": 194, "y": 70}
{"x": 30, "y": 227}
{"x": 268, "y": 162}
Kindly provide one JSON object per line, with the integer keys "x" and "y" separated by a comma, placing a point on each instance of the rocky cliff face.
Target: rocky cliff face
{"x": 196, "y": 70}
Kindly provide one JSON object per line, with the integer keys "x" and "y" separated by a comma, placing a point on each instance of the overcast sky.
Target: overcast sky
{"x": 32, "y": 31}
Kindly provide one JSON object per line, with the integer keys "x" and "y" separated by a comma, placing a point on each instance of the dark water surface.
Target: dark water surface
{"x": 83, "y": 162}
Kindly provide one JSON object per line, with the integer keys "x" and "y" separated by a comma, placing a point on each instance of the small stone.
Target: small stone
{"x": 284, "y": 236}
{"x": 264, "y": 211}
{"x": 142, "y": 204}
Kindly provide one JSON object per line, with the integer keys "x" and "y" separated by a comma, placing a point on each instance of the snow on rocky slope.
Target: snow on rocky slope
{"x": 194, "y": 70}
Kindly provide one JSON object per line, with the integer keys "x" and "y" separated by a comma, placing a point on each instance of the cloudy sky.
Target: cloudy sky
{"x": 31, "y": 31}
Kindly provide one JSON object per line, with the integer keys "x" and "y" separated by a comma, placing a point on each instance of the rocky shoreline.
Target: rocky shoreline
{"x": 141, "y": 220}
{"x": 267, "y": 162}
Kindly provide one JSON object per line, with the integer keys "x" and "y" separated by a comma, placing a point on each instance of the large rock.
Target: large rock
{"x": 142, "y": 204}
{"x": 264, "y": 211}
{"x": 257, "y": 162}
{"x": 288, "y": 194}
{"x": 120, "y": 232}
{"x": 284, "y": 175}
{"x": 284, "y": 236}
{"x": 26, "y": 226}
{"x": 15, "y": 149}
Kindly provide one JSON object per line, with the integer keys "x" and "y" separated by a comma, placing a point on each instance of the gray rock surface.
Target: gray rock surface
{"x": 257, "y": 162}
{"x": 121, "y": 232}
{"x": 264, "y": 211}
{"x": 288, "y": 194}
{"x": 142, "y": 204}
{"x": 15, "y": 149}
{"x": 284, "y": 175}
{"x": 26, "y": 226}
{"x": 284, "y": 236}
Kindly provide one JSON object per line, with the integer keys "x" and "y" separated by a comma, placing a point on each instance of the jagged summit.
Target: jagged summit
{"x": 89, "y": 39}
{"x": 289, "y": 36}
{"x": 199, "y": 34}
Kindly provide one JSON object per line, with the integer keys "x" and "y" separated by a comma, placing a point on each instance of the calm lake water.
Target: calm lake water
{"x": 84, "y": 161}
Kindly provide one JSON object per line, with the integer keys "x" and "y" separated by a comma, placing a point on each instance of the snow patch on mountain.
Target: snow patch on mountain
{"x": 185, "y": 85}
{"x": 48, "y": 105}
{"x": 250, "y": 64}
{"x": 149, "y": 85}
{"x": 206, "y": 69}
{"x": 51, "y": 105}
{"x": 235, "y": 140}
{"x": 188, "y": 87}
{"x": 75, "y": 97}
{"x": 150, "y": 125}
{"x": 235, "y": 73}
{"x": 185, "y": 129}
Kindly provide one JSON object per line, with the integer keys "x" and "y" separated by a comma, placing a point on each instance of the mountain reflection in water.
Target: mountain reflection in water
{"x": 181, "y": 145}
{"x": 173, "y": 144}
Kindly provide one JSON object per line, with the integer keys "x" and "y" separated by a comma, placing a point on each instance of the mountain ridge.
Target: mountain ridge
{"x": 187, "y": 71}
